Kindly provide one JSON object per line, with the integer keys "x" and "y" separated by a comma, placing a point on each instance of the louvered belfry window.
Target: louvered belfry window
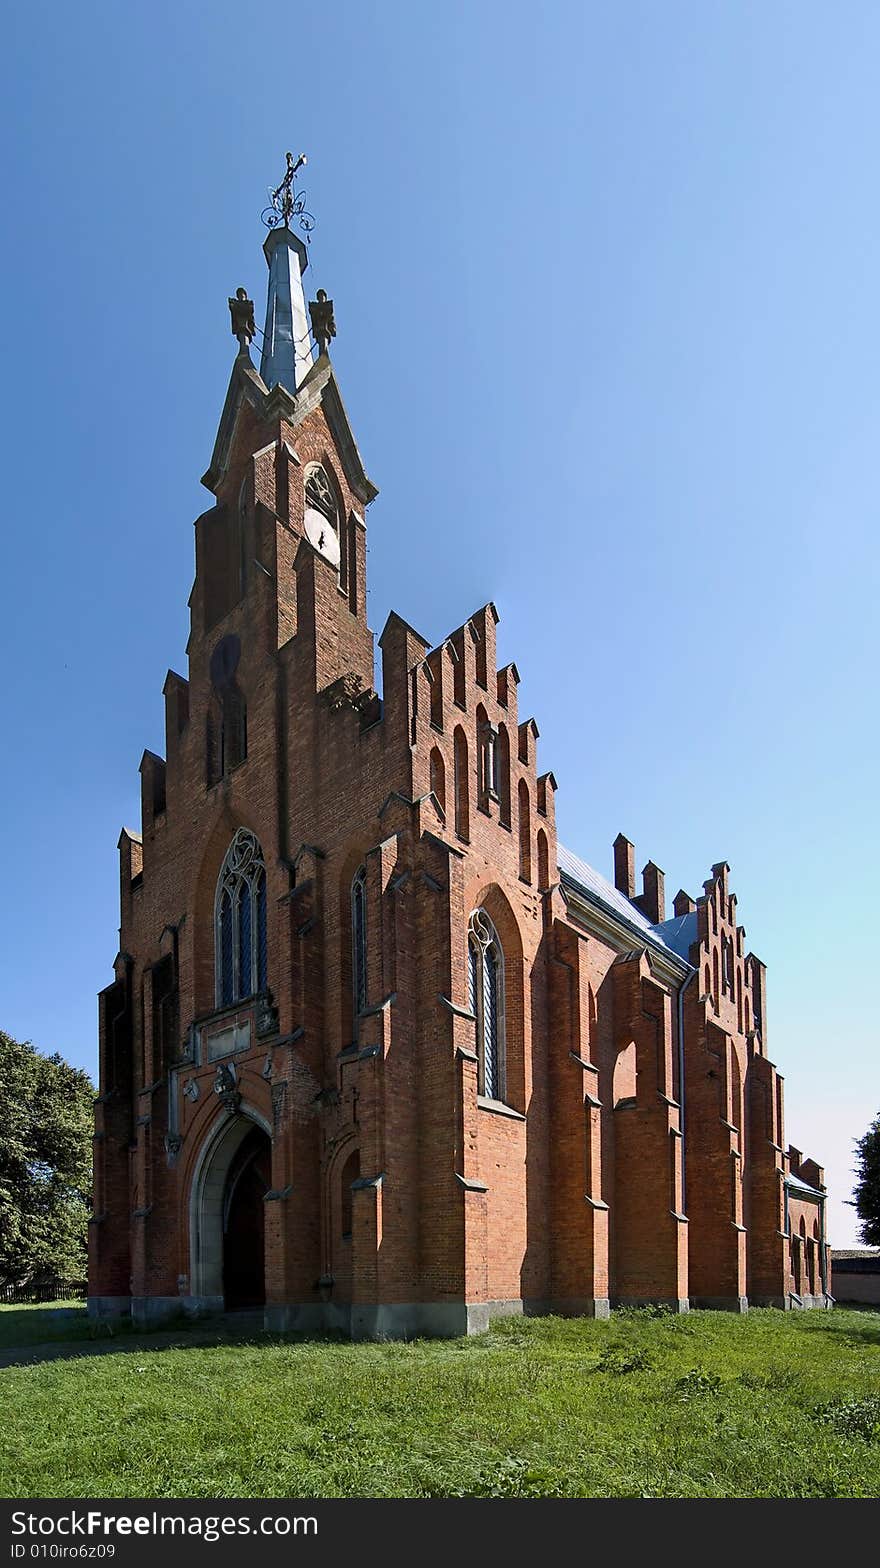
{"x": 486, "y": 1002}
{"x": 240, "y": 921}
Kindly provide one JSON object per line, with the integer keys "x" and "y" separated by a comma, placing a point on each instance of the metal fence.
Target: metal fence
{"x": 34, "y": 1291}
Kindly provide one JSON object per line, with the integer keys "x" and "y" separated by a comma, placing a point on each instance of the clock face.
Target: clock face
{"x": 321, "y": 533}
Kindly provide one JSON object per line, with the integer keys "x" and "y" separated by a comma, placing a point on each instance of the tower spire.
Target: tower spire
{"x": 287, "y": 353}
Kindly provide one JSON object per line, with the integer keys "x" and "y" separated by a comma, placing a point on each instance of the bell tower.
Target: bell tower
{"x": 285, "y": 544}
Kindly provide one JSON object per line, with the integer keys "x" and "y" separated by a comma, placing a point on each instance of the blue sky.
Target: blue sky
{"x": 606, "y": 282}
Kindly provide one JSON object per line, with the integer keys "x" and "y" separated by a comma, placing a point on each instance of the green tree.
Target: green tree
{"x": 45, "y": 1165}
{"x": 867, "y": 1188}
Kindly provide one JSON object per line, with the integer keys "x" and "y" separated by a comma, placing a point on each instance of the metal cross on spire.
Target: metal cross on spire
{"x": 286, "y": 202}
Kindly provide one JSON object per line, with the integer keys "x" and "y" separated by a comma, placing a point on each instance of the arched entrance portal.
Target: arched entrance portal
{"x": 227, "y": 1216}
{"x": 244, "y": 1261}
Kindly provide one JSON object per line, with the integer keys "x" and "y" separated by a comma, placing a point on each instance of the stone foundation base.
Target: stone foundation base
{"x": 153, "y": 1311}
{"x": 108, "y": 1306}
{"x": 293, "y": 1317}
{"x": 412, "y": 1320}
{"x": 200, "y": 1306}
{"x": 418, "y": 1319}
{"x": 569, "y": 1307}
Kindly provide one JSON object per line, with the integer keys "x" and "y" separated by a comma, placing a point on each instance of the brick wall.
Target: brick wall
{"x": 394, "y": 1181}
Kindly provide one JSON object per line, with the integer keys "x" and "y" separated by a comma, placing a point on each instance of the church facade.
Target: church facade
{"x": 380, "y": 1054}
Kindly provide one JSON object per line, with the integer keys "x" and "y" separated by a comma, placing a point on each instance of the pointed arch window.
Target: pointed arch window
{"x": 461, "y": 783}
{"x": 438, "y": 778}
{"x": 240, "y": 946}
{"x": 350, "y": 1172}
{"x": 486, "y": 1002}
{"x": 359, "y": 941}
{"x": 319, "y": 493}
{"x": 321, "y": 519}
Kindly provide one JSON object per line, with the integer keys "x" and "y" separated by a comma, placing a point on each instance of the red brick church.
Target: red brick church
{"x": 380, "y": 1054}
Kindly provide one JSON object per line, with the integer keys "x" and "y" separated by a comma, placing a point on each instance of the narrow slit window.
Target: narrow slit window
{"x": 359, "y": 941}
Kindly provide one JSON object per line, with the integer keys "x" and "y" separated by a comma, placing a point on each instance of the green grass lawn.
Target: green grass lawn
{"x": 38, "y": 1325}
{"x": 710, "y": 1405}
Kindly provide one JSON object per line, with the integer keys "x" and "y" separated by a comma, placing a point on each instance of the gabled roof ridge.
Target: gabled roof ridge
{"x": 319, "y": 387}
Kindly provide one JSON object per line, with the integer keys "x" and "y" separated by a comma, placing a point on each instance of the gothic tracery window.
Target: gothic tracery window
{"x": 319, "y": 493}
{"x": 486, "y": 1002}
{"x": 240, "y": 921}
{"x": 359, "y": 941}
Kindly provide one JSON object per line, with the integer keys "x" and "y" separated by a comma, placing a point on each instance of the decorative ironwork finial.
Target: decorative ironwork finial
{"x": 286, "y": 202}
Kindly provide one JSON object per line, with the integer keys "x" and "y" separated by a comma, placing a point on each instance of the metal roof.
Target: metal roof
{"x": 803, "y": 1186}
{"x": 679, "y": 933}
{"x": 595, "y": 886}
